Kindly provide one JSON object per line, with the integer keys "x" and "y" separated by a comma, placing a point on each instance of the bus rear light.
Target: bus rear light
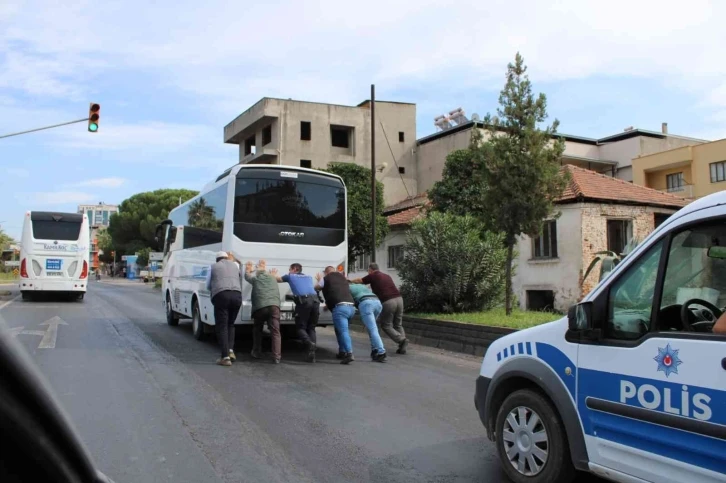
{"x": 37, "y": 270}
{"x": 72, "y": 269}
{"x": 84, "y": 272}
{"x": 24, "y": 268}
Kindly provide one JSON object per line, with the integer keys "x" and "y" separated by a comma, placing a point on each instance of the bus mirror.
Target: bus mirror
{"x": 717, "y": 252}
{"x": 579, "y": 317}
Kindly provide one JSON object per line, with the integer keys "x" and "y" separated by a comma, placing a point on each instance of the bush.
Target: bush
{"x": 451, "y": 265}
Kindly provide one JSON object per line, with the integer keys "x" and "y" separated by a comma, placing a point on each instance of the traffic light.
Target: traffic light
{"x": 94, "y": 115}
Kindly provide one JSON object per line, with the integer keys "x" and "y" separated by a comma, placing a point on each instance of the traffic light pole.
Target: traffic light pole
{"x": 43, "y": 128}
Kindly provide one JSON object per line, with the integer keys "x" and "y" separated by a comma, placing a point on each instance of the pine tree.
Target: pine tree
{"x": 520, "y": 164}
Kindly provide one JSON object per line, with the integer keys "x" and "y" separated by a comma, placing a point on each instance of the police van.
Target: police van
{"x": 631, "y": 385}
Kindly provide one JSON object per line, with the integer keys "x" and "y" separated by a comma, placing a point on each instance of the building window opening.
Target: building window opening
{"x": 340, "y": 136}
{"x": 267, "y": 135}
{"x": 306, "y": 163}
{"x": 305, "y": 134}
{"x": 250, "y": 146}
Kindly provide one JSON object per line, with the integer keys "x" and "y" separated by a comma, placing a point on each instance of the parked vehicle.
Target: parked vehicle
{"x": 54, "y": 253}
{"x": 631, "y": 385}
{"x": 281, "y": 214}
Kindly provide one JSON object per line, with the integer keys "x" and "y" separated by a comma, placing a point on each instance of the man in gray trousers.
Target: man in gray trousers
{"x": 225, "y": 290}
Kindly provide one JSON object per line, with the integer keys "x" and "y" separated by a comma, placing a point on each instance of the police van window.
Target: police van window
{"x": 696, "y": 269}
{"x": 630, "y": 300}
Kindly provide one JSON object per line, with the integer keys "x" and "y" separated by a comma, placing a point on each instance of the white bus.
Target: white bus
{"x": 54, "y": 253}
{"x": 281, "y": 214}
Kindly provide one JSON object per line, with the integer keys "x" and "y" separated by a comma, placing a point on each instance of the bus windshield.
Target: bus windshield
{"x": 55, "y": 226}
{"x": 307, "y": 209}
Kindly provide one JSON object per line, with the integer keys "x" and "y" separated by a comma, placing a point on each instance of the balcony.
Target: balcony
{"x": 682, "y": 191}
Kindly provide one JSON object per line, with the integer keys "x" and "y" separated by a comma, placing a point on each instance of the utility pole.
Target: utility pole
{"x": 373, "y": 173}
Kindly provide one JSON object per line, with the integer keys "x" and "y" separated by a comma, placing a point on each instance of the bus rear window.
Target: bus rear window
{"x": 56, "y": 226}
{"x": 289, "y": 202}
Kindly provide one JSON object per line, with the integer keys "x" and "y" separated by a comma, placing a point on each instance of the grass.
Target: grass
{"x": 520, "y": 319}
{"x": 7, "y": 277}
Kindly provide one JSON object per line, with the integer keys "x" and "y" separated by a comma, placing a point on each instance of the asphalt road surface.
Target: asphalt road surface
{"x": 151, "y": 404}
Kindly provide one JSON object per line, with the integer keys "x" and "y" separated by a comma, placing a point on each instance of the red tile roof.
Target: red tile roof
{"x": 411, "y": 201}
{"x": 405, "y": 217}
{"x": 586, "y": 185}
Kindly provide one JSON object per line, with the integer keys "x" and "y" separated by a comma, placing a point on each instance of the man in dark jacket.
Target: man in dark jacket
{"x": 391, "y": 318}
{"x": 340, "y": 303}
{"x": 225, "y": 290}
{"x": 265, "y": 308}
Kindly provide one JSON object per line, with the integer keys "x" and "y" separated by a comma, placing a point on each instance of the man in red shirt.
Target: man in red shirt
{"x": 391, "y": 318}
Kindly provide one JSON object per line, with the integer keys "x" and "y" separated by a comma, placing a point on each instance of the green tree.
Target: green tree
{"x": 358, "y": 184}
{"x": 451, "y": 264}
{"x": 5, "y": 240}
{"x": 142, "y": 258}
{"x": 521, "y": 164}
{"x": 461, "y": 189}
{"x": 133, "y": 227}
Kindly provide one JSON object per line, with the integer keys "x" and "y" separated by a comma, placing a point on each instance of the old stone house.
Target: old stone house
{"x": 594, "y": 214}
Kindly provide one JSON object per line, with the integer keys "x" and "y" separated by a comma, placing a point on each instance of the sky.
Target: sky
{"x": 170, "y": 75}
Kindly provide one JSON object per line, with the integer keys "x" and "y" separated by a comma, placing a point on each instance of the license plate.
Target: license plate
{"x": 287, "y": 316}
{"x": 54, "y": 274}
{"x": 53, "y": 264}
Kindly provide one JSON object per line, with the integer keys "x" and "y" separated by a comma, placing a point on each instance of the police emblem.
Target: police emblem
{"x": 668, "y": 360}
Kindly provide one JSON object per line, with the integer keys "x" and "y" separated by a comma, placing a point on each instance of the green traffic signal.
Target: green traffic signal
{"x": 93, "y": 127}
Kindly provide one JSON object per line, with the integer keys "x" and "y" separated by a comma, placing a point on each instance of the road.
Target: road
{"x": 151, "y": 404}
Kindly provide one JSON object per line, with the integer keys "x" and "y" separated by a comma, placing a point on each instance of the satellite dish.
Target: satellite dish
{"x": 475, "y": 117}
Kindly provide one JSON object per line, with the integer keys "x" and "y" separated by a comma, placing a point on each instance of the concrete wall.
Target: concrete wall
{"x": 703, "y": 156}
{"x": 431, "y": 157}
{"x": 286, "y": 147}
{"x": 558, "y": 274}
{"x": 581, "y": 150}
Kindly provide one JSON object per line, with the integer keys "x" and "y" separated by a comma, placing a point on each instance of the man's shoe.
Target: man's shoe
{"x": 255, "y": 355}
{"x": 224, "y": 361}
{"x": 347, "y": 358}
{"x": 402, "y": 347}
{"x": 311, "y": 352}
{"x": 380, "y": 357}
{"x": 232, "y": 357}
{"x": 275, "y": 361}
{"x": 340, "y": 355}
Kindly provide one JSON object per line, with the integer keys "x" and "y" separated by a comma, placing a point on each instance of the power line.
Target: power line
{"x": 400, "y": 175}
{"x": 42, "y": 128}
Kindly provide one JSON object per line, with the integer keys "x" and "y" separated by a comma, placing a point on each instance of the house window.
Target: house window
{"x": 620, "y": 232}
{"x": 401, "y": 136}
{"x": 718, "y": 171}
{"x": 340, "y": 136}
{"x": 545, "y": 245}
{"x": 395, "y": 255}
{"x": 675, "y": 182}
{"x": 305, "y": 131}
{"x": 659, "y": 218}
{"x": 266, "y": 135}
{"x": 402, "y": 170}
{"x": 306, "y": 163}
{"x": 360, "y": 264}
{"x": 543, "y": 300}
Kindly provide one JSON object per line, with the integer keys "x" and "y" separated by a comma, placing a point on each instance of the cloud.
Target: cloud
{"x": 102, "y": 182}
{"x": 59, "y": 197}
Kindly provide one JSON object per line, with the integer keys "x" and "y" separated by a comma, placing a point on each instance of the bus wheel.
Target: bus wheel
{"x": 171, "y": 317}
{"x": 80, "y": 297}
{"x": 197, "y": 324}
{"x": 531, "y": 442}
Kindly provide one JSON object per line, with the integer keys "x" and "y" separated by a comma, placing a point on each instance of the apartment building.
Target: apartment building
{"x": 312, "y": 135}
{"x": 689, "y": 171}
{"x": 610, "y": 155}
{"x": 99, "y": 217}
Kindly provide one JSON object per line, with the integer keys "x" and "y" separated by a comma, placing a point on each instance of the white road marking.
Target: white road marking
{"x": 51, "y": 333}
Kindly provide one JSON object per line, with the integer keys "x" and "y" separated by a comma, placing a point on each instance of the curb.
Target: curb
{"x": 443, "y": 334}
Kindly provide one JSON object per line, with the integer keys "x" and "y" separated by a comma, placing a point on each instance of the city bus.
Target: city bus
{"x": 281, "y": 214}
{"x": 54, "y": 252}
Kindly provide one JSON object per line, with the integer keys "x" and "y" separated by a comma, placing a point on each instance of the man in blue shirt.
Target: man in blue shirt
{"x": 307, "y": 305}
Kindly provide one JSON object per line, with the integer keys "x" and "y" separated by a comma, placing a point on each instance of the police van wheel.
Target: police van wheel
{"x": 171, "y": 317}
{"x": 531, "y": 441}
{"x": 197, "y": 324}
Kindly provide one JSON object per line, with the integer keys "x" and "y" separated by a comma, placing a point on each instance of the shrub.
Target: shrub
{"x": 451, "y": 265}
